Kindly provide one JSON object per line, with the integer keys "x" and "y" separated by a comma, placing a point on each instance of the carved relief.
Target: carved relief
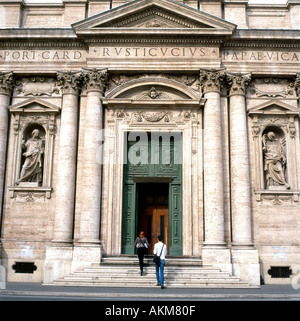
{"x": 152, "y": 94}
{"x": 69, "y": 81}
{"x": 211, "y": 80}
{"x": 152, "y": 117}
{"x": 271, "y": 88}
{"x": 34, "y": 126}
{"x": 95, "y": 79}
{"x": 36, "y": 86}
{"x": 6, "y": 82}
{"x": 238, "y": 83}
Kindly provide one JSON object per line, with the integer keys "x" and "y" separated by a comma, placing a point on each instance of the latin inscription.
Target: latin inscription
{"x": 263, "y": 56}
{"x": 42, "y": 55}
{"x": 154, "y": 52}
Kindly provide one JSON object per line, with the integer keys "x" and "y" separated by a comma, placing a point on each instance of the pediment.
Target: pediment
{"x": 274, "y": 108}
{"x": 33, "y": 105}
{"x": 147, "y": 15}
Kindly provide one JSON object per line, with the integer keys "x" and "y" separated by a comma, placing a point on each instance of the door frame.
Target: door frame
{"x": 113, "y": 174}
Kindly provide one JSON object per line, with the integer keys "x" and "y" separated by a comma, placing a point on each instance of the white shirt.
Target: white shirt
{"x": 157, "y": 250}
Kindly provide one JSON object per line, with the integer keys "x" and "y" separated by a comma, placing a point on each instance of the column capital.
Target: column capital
{"x": 95, "y": 79}
{"x": 6, "y": 83}
{"x": 69, "y": 81}
{"x": 238, "y": 83}
{"x": 211, "y": 80}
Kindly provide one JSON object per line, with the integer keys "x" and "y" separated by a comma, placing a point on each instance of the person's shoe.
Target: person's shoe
{"x": 157, "y": 284}
{"x": 162, "y": 287}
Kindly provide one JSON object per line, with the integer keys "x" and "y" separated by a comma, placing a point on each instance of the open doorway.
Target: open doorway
{"x": 153, "y": 212}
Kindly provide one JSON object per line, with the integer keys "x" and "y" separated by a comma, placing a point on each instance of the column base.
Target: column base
{"x": 57, "y": 262}
{"x": 218, "y": 257}
{"x": 85, "y": 255}
{"x": 245, "y": 264}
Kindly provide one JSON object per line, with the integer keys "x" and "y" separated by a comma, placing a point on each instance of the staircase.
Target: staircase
{"x": 123, "y": 271}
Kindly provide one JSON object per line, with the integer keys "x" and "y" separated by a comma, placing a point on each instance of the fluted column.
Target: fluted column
{"x": 95, "y": 81}
{"x": 239, "y": 158}
{"x": 6, "y": 85}
{"x": 213, "y": 163}
{"x": 66, "y": 166}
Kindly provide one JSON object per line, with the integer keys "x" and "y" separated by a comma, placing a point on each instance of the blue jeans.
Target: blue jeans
{"x": 161, "y": 279}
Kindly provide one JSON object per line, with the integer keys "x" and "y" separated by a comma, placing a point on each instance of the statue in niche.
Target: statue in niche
{"x": 32, "y": 167}
{"x": 274, "y": 161}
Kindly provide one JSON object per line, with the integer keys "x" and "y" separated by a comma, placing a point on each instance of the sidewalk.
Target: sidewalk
{"x": 266, "y": 292}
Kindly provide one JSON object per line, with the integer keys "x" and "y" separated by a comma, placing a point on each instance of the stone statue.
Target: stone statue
{"x": 32, "y": 167}
{"x": 274, "y": 161}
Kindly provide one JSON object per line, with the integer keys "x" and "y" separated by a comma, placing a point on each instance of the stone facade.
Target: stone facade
{"x": 224, "y": 74}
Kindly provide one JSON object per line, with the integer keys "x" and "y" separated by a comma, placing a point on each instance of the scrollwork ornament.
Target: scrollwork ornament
{"x": 238, "y": 83}
{"x": 6, "y": 83}
{"x": 95, "y": 79}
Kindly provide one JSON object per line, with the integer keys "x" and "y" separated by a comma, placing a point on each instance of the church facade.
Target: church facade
{"x": 178, "y": 118}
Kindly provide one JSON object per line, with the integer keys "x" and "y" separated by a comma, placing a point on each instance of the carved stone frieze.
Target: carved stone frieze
{"x": 188, "y": 80}
{"x": 152, "y": 94}
{"x": 95, "y": 79}
{"x": 139, "y": 116}
{"x": 271, "y": 87}
{"x": 152, "y": 117}
{"x": 211, "y": 80}
{"x": 6, "y": 83}
{"x": 238, "y": 83}
{"x": 36, "y": 86}
{"x": 277, "y": 198}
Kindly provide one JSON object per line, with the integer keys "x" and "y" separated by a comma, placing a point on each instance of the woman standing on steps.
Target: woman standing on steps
{"x": 141, "y": 243}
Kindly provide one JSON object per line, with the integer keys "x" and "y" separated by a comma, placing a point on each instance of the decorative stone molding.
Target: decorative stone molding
{"x": 271, "y": 87}
{"x": 6, "y": 83}
{"x": 268, "y": 198}
{"x": 28, "y": 115}
{"x": 69, "y": 81}
{"x": 238, "y": 83}
{"x": 278, "y": 117}
{"x": 95, "y": 79}
{"x": 212, "y": 80}
{"x": 36, "y": 86}
{"x": 152, "y": 117}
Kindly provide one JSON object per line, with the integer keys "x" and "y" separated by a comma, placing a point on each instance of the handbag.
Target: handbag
{"x": 156, "y": 258}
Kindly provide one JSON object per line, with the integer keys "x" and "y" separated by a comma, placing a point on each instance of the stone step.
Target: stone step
{"x": 123, "y": 271}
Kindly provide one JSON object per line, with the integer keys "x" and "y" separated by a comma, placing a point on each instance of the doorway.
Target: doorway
{"x": 153, "y": 212}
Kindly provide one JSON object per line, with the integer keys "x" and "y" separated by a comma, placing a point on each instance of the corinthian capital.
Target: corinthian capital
{"x": 69, "y": 81}
{"x": 95, "y": 79}
{"x": 6, "y": 83}
{"x": 211, "y": 80}
{"x": 238, "y": 83}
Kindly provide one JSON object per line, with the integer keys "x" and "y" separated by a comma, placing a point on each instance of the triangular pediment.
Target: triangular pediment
{"x": 33, "y": 105}
{"x": 153, "y": 14}
{"x": 274, "y": 108}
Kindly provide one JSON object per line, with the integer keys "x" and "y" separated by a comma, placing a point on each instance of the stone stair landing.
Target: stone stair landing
{"x": 123, "y": 271}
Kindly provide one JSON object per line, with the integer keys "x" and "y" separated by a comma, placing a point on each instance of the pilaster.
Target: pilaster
{"x": 6, "y": 86}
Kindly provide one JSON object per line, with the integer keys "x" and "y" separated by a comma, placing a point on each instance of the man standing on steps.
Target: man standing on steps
{"x": 160, "y": 250}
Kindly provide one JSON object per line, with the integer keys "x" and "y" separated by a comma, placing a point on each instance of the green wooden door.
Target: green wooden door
{"x": 152, "y": 158}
